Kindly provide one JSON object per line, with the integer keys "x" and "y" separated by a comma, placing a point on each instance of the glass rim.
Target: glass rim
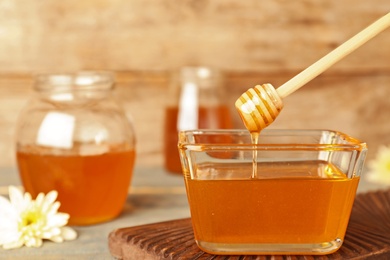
{"x": 99, "y": 80}
{"x": 351, "y": 145}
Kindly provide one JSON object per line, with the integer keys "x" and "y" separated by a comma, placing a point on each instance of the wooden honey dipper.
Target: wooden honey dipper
{"x": 258, "y": 107}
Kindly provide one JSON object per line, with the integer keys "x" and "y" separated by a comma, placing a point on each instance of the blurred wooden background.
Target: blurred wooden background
{"x": 252, "y": 41}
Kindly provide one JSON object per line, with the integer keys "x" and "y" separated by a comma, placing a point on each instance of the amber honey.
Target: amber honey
{"x": 91, "y": 188}
{"x": 217, "y": 117}
{"x": 288, "y": 203}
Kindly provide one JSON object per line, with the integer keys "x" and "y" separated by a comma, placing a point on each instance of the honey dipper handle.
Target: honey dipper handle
{"x": 331, "y": 58}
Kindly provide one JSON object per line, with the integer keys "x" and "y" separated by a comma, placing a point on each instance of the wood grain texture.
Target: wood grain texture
{"x": 162, "y": 35}
{"x": 254, "y": 41}
{"x": 367, "y": 237}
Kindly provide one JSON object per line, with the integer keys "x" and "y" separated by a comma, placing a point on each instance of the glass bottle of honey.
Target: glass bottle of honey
{"x": 196, "y": 101}
{"x": 74, "y": 138}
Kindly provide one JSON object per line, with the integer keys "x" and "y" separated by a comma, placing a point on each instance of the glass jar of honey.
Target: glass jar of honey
{"x": 74, "y": 138}
{"x": 196, "y": 100}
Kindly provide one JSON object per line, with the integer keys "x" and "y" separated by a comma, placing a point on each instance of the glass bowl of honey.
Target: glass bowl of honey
{"x": 291, "y": 192}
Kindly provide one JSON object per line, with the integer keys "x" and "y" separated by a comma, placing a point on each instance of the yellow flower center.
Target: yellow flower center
{"x": 32, "y": 219}
{"x": 387, "y": 166}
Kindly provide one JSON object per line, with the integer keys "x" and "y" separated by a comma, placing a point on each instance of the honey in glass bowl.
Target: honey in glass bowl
{"x": 299, "y": 202}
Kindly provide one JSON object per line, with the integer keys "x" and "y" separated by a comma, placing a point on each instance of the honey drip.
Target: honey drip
{"x": 255, "y": 141}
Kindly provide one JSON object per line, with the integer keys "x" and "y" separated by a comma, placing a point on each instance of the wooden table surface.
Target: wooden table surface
{"x": 155, "y": 196}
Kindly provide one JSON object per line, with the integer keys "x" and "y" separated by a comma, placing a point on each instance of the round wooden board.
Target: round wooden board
{"x": 367, "y": 237}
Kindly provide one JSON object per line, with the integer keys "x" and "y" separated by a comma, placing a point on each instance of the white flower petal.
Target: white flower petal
{"x": 33, "y": 242}
{"x": 7, "y": 212}
{"x": 48, "y": 201}
{"x": 16, "y": 197}
{"x": 9, "y": 236}
{"x": 51, "y": 197}
{"x": 68, "y": 233}
{"x": 14, "y": 244}
{"x": 52, "y": 210}
{"x": 57, "y": 239}
{"x": 51, "y": 233}
{"x": 9, "y": 233}
{"x": 8, "y": 227}
{"x": 58, "y": 220}
{"x": 39, "y": 199}
{"x": 27, "y": 198}
{"x": 39, "y": 243}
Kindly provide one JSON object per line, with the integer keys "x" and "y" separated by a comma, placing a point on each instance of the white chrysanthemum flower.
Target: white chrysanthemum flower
{"x": 379, "y": 168}
{"x": 24, "y": 221}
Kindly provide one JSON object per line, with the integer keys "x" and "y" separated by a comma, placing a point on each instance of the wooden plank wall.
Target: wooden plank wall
{"x": 251, "y": 41}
